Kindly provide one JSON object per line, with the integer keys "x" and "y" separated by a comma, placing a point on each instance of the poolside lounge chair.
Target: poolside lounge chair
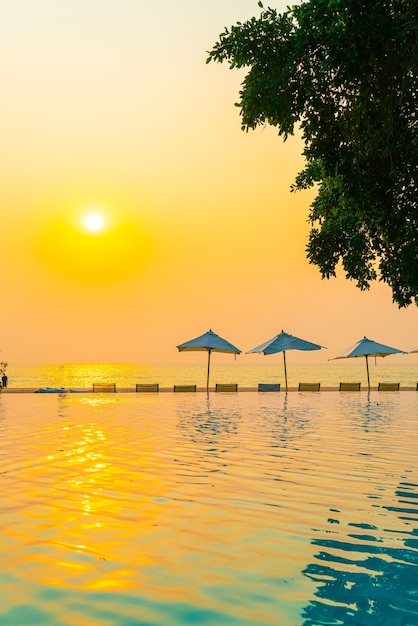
{"x": 268, "y": 386}
{"x": 309, "y": 386}
{"x": 184, "y": 388}
{"x": 388, "y": 387}
{"x": 147, "y": 387}
{"x": 226, "y": 387}
{"x": 104, "y": 387}
{"x": 350, "y": 386}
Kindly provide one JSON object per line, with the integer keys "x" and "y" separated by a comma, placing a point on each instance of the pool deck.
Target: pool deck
{"x": 13, "y": 390}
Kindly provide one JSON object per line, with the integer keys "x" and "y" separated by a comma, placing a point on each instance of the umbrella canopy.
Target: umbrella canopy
{"x": 283, "y": 342}
{"x": 209, "y": 342}
{"x": 367, "y": 347}
{"x": 413, "y": 350}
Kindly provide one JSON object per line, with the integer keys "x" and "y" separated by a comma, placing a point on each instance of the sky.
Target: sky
{"x": 109, "y": 108}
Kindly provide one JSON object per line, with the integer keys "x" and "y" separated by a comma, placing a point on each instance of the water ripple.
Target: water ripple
{"x": 294, "y": 510}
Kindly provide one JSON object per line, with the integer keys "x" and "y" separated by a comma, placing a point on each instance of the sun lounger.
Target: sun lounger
{"x": 350, "y": 386}
{"x": 226, "y": 387}
{"x": 309, "y": 386}
{"x": 184, "y": 388}
{"x": 268, "y": 386}
{"x": 388, "y": 387}
{"x": 147, "y": 387}
{"x": 50, "y": 390}
{"x": 104, "y": 387}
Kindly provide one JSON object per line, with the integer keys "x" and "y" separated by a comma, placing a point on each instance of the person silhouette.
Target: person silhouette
{"x": 4, "y": 380}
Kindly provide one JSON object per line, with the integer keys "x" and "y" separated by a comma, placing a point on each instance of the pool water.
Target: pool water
{"x": 237, "y": 509}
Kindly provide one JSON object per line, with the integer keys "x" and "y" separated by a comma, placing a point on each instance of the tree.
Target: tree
{"x": 345, "y": 73}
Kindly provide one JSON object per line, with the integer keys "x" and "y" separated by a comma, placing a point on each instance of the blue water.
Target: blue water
{"x": 237, "y": 509}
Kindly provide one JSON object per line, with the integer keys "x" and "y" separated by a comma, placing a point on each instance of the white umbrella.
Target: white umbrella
{"x": 413, "y": 350}
{"x": 208, "y": 342}
{"x": 283, "y": 342}
{"x": 367, "y": 347}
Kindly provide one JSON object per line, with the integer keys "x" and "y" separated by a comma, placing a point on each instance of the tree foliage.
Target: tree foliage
{"x": 345, "y": 73}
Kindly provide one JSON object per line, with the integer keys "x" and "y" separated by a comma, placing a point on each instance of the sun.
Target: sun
{"x": 94, "y": 222}
{"x": 94, "y": 247}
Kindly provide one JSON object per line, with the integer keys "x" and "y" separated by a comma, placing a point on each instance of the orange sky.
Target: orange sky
{"x": 109, "y": 106}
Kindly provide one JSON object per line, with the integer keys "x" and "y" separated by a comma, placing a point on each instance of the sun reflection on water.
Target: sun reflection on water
{"x": 99, "y": 491}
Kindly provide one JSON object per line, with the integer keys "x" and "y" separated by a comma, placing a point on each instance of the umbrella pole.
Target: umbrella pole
{"x": 285, "y": 369}
{"x": 207, "y": 377}
{"x": 368, "y": 375}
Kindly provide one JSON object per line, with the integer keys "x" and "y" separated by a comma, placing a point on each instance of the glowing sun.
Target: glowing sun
{"x": 94, "y": 222}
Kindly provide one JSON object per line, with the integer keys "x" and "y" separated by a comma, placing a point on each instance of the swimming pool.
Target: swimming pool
{"x": 170, "y": 509}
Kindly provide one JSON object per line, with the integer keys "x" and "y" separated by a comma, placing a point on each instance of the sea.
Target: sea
{"x": 329, "y": 374}
{"x": 219, "y": 509}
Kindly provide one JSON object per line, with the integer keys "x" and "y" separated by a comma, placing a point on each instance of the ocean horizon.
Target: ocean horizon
{"x": 329, "y": 374}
